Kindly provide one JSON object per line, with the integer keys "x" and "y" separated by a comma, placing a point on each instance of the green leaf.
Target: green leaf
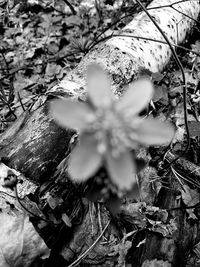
{"x": 136, "y": 97}
{"x": 155, "y": 132}
{"x": 84, "y": 160}
{"x": 68, "y": 114}
{"x": 98, "y": 85}
{"x": 121, "y": 170}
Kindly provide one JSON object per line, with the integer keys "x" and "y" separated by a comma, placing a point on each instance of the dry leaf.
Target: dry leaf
{"x": 20, "y": 244}
{"x": 190, "y": 196}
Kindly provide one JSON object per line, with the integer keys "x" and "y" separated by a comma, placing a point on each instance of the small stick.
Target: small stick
{"x": 82, "y": 256}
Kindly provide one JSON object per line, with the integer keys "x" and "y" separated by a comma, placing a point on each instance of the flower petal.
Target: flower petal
{"x": 98, "y": 86}
{"x": 121, "y": 170}
{"x": 75, "y": 115}
{"x": 136, "y": 97}
{"x": 155, "y": 132}
{"x": 84, "y": 159}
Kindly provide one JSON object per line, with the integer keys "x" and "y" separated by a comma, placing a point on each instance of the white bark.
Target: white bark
{"x": 124, "y": 57}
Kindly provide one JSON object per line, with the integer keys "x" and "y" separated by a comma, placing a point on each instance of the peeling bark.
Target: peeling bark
{"x": 35, "y": 145}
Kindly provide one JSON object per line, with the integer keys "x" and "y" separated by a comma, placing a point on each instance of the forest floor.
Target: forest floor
{"x": 41, "y": 41}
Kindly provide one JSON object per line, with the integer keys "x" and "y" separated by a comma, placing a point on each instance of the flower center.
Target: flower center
{"x": 112, "y": 131}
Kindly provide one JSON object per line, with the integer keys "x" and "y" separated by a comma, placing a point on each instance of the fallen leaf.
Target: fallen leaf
{"x": 190, "y": 196}
{"x": 19, "y": 241}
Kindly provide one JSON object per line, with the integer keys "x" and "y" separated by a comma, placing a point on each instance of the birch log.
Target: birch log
{"x": 125, "y": 57}
{"x": 35, "y": 145}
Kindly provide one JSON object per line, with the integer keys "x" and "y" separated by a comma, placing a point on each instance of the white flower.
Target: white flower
{"x": 109, "y": 129}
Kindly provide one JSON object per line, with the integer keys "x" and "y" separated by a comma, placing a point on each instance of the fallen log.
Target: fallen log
{"x": 35, "y": 145}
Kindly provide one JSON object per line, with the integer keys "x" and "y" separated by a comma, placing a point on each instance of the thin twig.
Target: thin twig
{"x": 11, "y": 86}
{"x": 197, "y": 22}
{"x": 177, "y": 10}
{"x": 6, "y": 103}
{"x": 106, "y": 29}
{"x": 30, "y": 212}
{"x": 170, "y": 5}
{"x": 20, "y": 100}
{"x": 184, "y": 81}
{"x": 84, "y": 254}
{"x": 144, "y": 38}
{"x": 188, "y": 180}
{"x": 70, "y": 6}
